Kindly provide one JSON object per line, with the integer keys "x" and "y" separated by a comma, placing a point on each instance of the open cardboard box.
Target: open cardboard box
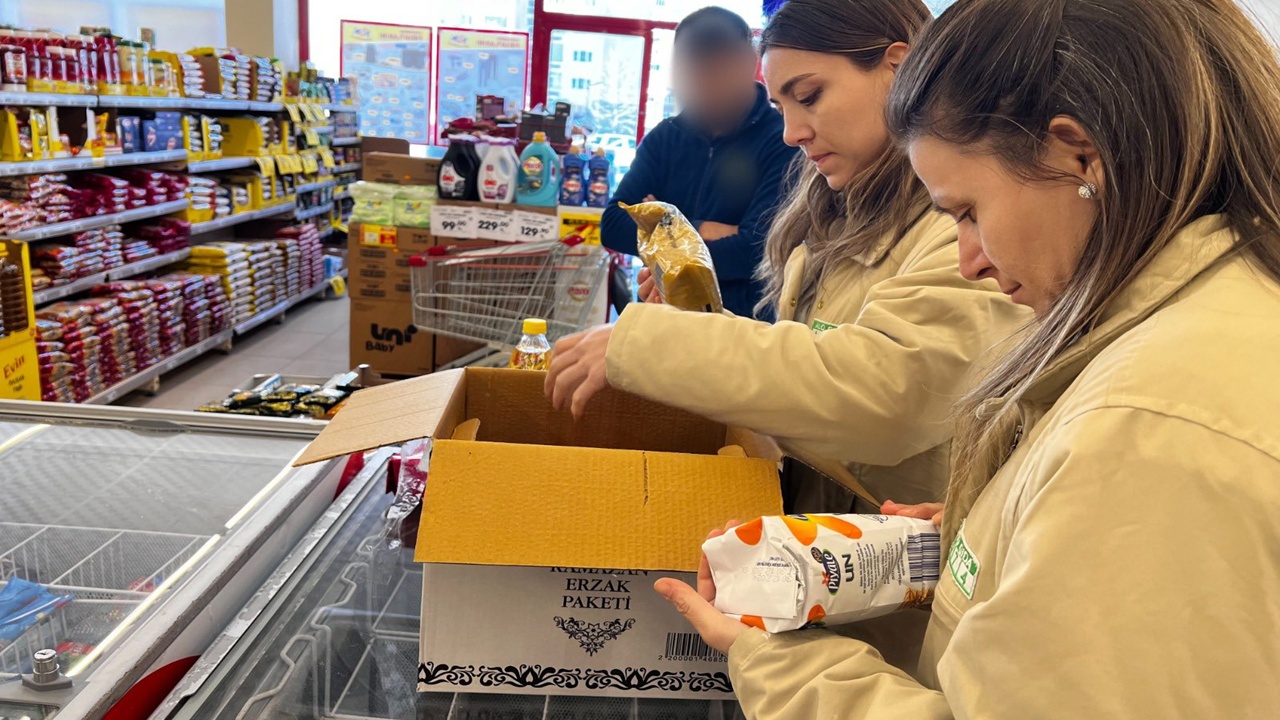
{"x": 542, "y": 536}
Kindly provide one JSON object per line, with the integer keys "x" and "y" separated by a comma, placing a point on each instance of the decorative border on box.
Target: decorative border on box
{"x": 538, "y": 676}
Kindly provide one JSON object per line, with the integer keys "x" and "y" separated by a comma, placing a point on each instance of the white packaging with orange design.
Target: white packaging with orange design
{"x": 797, "y": 571}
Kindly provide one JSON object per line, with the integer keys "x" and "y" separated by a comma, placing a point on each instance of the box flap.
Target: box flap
{"x": 390, "y": 415}
{"x": 501, "y": 504}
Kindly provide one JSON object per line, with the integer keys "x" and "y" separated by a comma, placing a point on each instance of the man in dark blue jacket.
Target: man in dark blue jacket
{"x": 721, "y": 161}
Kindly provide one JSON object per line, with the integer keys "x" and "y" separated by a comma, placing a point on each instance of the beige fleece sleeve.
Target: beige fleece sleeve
{"x": 874, "y": 392}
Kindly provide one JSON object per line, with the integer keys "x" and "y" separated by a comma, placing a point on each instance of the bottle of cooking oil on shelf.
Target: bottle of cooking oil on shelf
{"x": 534, "y": 350}
{"x": 13, "y": 296}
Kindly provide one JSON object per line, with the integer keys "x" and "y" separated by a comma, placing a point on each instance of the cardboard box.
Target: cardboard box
{"x": 399, "y": 169}
{"x": 384, "y": 337}
{"x": 525, "y": 509}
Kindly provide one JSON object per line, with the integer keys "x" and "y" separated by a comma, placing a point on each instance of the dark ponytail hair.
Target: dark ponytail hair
{"x": 886, "y": 198}
{"x": 1179, "y": 96}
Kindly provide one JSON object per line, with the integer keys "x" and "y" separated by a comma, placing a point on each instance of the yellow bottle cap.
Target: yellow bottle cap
{"x": 535, "y": 326}
{"x": 539, "y": 136}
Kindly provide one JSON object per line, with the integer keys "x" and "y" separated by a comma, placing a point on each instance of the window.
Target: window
{"x": 580, "y": 84}
{"x": 582, "y": 56}
{"x": 667, "y": 11}
{"x": 179, "y": 24}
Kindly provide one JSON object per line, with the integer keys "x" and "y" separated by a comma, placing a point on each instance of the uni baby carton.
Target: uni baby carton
{"x": 541, "y": 536}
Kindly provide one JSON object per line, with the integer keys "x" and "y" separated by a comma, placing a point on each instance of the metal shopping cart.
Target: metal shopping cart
{"x": 485, "y": 295}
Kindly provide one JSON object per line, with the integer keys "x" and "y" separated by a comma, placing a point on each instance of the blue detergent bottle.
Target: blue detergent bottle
{"x": 598, "y": 180}
{"x": 539, "y": 174}
{"x": 573, "y": 183}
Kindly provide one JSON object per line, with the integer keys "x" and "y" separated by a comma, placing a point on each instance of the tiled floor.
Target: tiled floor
{"x": 312, "y": 340}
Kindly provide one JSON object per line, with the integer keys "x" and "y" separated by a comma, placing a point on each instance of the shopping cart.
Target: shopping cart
{"x": 485, "y": 295}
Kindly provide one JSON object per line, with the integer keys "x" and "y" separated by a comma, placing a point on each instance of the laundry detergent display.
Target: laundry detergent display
{"x": 791, "y": 572}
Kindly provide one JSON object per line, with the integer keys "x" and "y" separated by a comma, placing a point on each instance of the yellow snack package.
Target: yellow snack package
{"x": 676, "y": 255}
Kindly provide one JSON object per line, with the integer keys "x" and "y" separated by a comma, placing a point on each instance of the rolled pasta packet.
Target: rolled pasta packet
{"x": 799, "y": 571}
{"x": 675, "y": 253}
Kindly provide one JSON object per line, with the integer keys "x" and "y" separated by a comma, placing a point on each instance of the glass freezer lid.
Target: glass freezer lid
{"x": 97, "y": 521}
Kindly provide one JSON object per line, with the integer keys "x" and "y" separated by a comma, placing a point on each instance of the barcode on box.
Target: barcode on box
{"x": 924, "y": 556}
{"x": 689, "y": 647}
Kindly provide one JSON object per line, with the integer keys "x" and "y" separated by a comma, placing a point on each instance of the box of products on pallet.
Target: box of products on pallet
{"x": 576, "y": 519}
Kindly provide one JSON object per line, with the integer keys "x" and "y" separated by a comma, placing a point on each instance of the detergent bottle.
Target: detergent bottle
{"x": 573, "y": 186}
{"x": 539, "y": 169}
{"x": 598, "y": 181}
{"x": 498, "y": 172}
{"x": 459, "y": 170}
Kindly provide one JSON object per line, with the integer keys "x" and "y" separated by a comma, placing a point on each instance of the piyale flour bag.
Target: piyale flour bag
{"x": 792, "y": 572}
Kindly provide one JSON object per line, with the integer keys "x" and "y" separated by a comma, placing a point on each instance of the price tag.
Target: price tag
{"x": 533, "y": 227}
{"x": 266, "y": 166}
{"x": 326, "y": 158}
{"x": 293, "y": 112}
{"x": 453, "y": 221}
{"x": 494, "y": 224}
{"x": 378, "y": 235}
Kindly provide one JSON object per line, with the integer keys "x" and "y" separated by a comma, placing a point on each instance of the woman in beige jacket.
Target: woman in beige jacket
{"x": 1114, "y": 544}
{"x": 878, "y": 333}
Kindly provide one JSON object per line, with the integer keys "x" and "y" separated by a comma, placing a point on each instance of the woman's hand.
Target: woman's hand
{"x": 649, "y": 288}
{"x": 717, "y": 629}
{"x": 923, "y": 511}
{"x": 578, "y": 370}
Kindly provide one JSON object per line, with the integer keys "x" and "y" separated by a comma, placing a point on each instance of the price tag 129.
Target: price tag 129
{"x": 453, "y": 221}
{"x": 494, "y": 224}
{"x": 535, "y": 227}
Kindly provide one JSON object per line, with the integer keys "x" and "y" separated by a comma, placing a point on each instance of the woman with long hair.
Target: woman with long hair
{"x": 1114, "y": 549}
{"x": 878, "y": 333}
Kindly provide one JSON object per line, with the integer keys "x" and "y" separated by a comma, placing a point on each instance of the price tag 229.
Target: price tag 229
{"x": 453, "y": 221}
{"x": 535, "y": 227}
{"x": 494, "y": 224}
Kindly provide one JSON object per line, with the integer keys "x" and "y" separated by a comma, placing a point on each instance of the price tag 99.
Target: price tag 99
{"x": 453, "y": 221}
{"x": 535, "y": 227}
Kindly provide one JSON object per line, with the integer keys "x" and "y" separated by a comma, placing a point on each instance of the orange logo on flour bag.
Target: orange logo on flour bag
{"x": 805, "y": 527}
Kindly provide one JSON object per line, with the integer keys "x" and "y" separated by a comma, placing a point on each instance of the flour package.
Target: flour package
{"x": 798, "y": 571}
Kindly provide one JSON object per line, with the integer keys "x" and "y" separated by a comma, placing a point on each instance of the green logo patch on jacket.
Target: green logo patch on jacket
{"x": 818, "y": 327}
{"x": 964, "y": 565}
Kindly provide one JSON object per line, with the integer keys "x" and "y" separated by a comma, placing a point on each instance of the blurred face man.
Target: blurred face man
{"x": 714, "y": 69}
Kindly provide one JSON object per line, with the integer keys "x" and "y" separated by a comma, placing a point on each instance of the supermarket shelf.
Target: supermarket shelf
{"x": 125, "y": 271}
{"x": 323, "y": 129}
{"x": 315, "y": 212}
{"x": 37, "y": 167}
{"x": 311, "y": 187}
{"x": 279, "y": 309}
{"x": 74, "y": 226}
{"x": 57, "y": 99}
{"x": 342, "y": 195}
{"x": 270, "y": 107}
{"x": 349, "y": 167}
{"x": 340, "y": 142}
{"x": 342, "y": 108}
{"x": 241, "y": 218}
{"x": 171, "y": 103}
{"x": 151, "y": 374}
{"x": 228, "y": 163}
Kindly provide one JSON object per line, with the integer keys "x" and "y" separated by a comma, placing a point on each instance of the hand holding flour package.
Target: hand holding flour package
{"x": 792, "y": 572}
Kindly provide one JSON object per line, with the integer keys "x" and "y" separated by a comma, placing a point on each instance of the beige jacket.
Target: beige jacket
{"x": 1125, "y": 562}
{"x": 870, "y": 396}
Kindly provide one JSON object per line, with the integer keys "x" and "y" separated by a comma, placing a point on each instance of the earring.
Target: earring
{"x": 1088, "y": 191}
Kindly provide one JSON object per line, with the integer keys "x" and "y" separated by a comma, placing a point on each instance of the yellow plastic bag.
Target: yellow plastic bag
{"x": 676, "y": 255}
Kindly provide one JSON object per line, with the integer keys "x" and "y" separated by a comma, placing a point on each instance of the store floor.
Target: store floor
{"x": 311, "y": 341}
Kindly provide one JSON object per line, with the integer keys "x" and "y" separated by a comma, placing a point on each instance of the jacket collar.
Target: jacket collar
{"x": 1193, "y": 250}
{"x": 759, "y": 111}
{"x": 928, "y": 224}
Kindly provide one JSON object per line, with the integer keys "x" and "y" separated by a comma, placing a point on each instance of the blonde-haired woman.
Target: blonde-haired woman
{"x": 1114, "y": 547}
{"x": 878, "y": 333}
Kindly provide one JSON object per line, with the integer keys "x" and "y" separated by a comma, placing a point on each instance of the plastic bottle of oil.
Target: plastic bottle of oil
{"x": 13, "y": 296}
{"x": 534, "y": 350}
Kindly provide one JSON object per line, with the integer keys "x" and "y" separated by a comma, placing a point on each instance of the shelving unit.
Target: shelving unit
{"x": 314, "y": 212}
{"x": 312, "y": 187}
{"x": 341, "y": 108}
{"x": 44, "y": 232}
{"x": 241, "y": 218}
{"x": 151, "y": 376}
{"x": 60, "y": 165}
{"x": 228, "y": 163}
{"x": 121, "y": 273}
{"x": 344, "y": 142}
{"x": 60, "y": 100}
{"x": 342, "y": 195}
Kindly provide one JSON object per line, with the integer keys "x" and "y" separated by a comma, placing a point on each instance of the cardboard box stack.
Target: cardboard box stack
{"x": 576, "y": 520}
